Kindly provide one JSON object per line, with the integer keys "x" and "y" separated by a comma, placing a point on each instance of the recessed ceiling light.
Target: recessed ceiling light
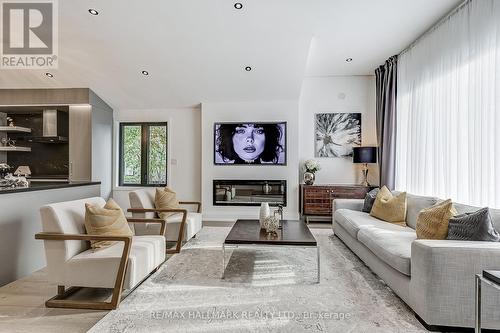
{"x": 145, "y": 73}
{"x": 248, "y": 68}
{"x": 238, "y": 5}
{"x": 348, "y": 60}
{"x": 93, "y": 11}
{"x": 49, "y": 74}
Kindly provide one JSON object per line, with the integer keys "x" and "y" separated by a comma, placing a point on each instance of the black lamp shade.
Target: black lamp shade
{"x": 364, "y": 154}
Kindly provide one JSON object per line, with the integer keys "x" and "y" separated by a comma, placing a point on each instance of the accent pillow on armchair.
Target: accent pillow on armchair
{"x": 105, "y": 221}
{"x": 166, "y": 198}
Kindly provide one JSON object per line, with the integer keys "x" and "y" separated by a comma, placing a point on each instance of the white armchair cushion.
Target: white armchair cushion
{"x": 98, "y": 268}
{"x": 191, "y": 228}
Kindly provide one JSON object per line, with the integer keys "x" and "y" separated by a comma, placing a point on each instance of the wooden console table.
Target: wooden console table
{"x": 316, "y": 200}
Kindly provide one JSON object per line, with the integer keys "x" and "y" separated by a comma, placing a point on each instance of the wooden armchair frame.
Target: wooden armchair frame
{"x": 61, "y": 299}
{"x": 183, "y": 222}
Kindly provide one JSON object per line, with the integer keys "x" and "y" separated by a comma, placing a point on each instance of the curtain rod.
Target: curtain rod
{"x": 436, "y": 25}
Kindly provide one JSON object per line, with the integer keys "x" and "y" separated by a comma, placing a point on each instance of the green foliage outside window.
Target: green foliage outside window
{"x": 157, "y": 167}
{"x": 132, "y": 154}
{"x": 143, "y": 154}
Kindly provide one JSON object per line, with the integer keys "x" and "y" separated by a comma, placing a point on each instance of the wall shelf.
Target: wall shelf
{"x": 25, "y": 149}
{"x": 12, "y": 129}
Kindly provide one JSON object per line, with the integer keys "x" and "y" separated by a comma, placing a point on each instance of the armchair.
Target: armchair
{"x": 181, "y": 226}
{"x": 72, "y": 263}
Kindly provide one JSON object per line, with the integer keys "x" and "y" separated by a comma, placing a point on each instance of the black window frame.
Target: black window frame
{"x": 144, "y": 153}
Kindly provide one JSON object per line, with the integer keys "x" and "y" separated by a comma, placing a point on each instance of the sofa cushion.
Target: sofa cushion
{"x": 391, "y": 246}
{"x": 432, "y": 222}
{"x": 389, "y": 207}
{"x": 475, "y": 226}
{"x": 494, "y": 213}
{"x": 352, "y": 220}
{"x": 98, "y": 268}
{"x": 415, "y": 203}
{"x": 369, "y": 200}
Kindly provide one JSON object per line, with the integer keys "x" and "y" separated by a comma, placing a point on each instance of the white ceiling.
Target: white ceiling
{"x": 196, "y": 50}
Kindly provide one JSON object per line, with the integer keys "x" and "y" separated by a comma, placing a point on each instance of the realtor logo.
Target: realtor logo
{"x": 29, "y": 34}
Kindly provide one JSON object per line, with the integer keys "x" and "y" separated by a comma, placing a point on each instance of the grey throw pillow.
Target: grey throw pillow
{"x": 474, "y": 226}
{"x": 369, "y": 200}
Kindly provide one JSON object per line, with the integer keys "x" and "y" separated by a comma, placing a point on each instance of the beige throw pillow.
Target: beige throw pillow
{"x": 165, "y": 198}
{"x": 432, "y": 222}
{"x": 105, "y": 221}
{"x": 388, "y": 207}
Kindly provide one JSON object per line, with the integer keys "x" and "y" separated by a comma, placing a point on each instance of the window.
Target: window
{"x": 143, "y": 154}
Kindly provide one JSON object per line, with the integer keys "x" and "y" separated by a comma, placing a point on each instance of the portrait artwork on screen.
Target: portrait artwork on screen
{"x": 336, "y": 134}
{"x": 251, "y": 143}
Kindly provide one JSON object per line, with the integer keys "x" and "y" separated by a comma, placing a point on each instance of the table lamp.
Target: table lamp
{"x": 364, "y": 155}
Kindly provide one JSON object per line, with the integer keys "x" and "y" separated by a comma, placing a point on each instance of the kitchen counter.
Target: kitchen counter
{"x": 21, "y": 253}
{"x": 40, "y": 186}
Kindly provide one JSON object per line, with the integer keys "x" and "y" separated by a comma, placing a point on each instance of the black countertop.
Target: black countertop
{"x": 40, "y": 186}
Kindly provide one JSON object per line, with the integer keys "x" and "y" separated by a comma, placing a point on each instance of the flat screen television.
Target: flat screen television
{"x": 250, "y": 143}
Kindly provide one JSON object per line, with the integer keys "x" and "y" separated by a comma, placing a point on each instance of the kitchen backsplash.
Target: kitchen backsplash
{"x": 45, "y": 159}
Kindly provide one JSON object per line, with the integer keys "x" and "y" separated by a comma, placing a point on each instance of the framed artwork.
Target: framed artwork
{"x": 250, "y": 143}
{"x": 336, "y": 134}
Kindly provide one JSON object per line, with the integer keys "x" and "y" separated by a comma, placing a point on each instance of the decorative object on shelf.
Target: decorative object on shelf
{"x": 336, "y": 134}
{"x": 266, "y": 188}
{"x": 364, "y": 155}
{"x": 311, "y": 167}
{"x": 10, "y": 122}
{"x": 4, "y": 169}
{"x": 7, "y": 142}
{"x": 271, "y": 224}
{"x": 264, "y": 212}
{"x": 22, "y": 171}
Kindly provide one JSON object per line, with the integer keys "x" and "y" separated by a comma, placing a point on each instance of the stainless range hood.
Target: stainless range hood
{"x": 55, "y": 127}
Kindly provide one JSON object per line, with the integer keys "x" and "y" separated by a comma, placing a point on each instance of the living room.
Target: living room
{"x": 226, "y": 166}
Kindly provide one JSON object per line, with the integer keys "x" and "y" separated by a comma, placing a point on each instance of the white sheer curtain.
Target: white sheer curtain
{"x": 448, "y": 109}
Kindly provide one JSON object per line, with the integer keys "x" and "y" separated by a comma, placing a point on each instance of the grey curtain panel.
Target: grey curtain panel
{"x": 386, "y": 89}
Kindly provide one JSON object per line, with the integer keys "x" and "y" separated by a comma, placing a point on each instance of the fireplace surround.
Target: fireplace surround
{"x": 249, "y": 192}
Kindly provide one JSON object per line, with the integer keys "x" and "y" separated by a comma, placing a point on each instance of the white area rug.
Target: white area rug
{"x": 265, "y": 290}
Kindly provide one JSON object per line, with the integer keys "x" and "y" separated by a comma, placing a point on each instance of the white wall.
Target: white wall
{"x": 192, "y": 140}
{"x": 336, "y": 94}
{"x": 248, "y": 111}
{"x": 184, "y": 150}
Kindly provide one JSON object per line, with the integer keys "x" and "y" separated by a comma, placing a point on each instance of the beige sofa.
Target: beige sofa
{"x": 434, "y": 277}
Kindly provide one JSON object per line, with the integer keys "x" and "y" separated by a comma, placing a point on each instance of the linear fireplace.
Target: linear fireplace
{"x": 249, "y": 192}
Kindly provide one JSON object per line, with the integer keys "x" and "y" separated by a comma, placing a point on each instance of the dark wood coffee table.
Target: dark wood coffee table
{"x": 249, "y": 233}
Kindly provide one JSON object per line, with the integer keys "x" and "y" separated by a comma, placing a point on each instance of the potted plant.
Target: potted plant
{"x": 311, "y": 167}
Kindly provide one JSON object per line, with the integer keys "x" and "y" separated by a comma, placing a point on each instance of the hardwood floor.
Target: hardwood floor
{"x": 22, "y": 308}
